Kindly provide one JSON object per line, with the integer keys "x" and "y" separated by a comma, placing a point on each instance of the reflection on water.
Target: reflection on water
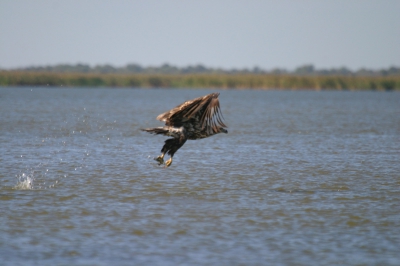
{"x": 304, "y": 178}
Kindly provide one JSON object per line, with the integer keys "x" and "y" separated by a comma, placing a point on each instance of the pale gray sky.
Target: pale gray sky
{"x": 215, "y": 33}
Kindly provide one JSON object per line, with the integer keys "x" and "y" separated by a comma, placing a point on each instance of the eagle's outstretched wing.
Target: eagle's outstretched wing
{"x": 203, "y": 110}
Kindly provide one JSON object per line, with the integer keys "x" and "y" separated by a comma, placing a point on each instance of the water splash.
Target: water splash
{"x": 38, "y": 177}
{"x": 25, "y": 181}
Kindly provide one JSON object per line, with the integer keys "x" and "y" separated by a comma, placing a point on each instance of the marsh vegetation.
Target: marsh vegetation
{"x": 201, "y": 80}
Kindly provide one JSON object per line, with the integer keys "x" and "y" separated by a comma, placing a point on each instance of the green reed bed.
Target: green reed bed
{"x": 219, "y": 81}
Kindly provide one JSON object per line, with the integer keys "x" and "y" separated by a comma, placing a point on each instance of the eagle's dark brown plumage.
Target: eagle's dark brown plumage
{"x": 195, "y": 119}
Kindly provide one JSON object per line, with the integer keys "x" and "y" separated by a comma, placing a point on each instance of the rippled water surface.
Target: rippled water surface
{"x": 302, "y": 178}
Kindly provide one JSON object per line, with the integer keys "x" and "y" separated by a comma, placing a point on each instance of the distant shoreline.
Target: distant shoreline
{"x": 217, "y": 81}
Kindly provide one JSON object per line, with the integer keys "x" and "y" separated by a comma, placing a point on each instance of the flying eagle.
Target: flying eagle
{"x": 195, "y": 119}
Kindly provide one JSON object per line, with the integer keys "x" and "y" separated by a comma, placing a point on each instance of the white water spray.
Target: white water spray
{"x": 24, "y": 182}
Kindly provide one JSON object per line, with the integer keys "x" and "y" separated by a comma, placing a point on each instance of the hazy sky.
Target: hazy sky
{"x": 215, "y": 33}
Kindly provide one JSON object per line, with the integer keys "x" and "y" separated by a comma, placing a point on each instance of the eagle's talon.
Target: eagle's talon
{"x": 168, "y": 163}
{"x": 160, "y": 160}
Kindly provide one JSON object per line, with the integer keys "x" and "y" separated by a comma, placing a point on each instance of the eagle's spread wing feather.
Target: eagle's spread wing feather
{"x": 206, "y": 109}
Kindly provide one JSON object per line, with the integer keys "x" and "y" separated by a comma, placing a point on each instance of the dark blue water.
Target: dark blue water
{"x": 302, "y": 178}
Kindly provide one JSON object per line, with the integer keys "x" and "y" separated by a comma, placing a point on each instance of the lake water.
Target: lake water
{"x": 302, "y": 178}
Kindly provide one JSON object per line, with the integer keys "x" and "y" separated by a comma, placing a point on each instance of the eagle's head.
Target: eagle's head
{"x": 223, "y": 130}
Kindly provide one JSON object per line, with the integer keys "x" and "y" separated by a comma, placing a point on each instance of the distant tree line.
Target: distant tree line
{"x": 305, "y": 70}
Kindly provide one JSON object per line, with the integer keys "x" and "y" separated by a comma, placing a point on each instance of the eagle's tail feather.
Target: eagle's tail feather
{"x": 156, "y": 130}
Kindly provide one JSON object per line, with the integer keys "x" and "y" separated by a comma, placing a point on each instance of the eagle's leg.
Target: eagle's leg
{"x": 170, "y": 147}
{"x": 160, "y": 159}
